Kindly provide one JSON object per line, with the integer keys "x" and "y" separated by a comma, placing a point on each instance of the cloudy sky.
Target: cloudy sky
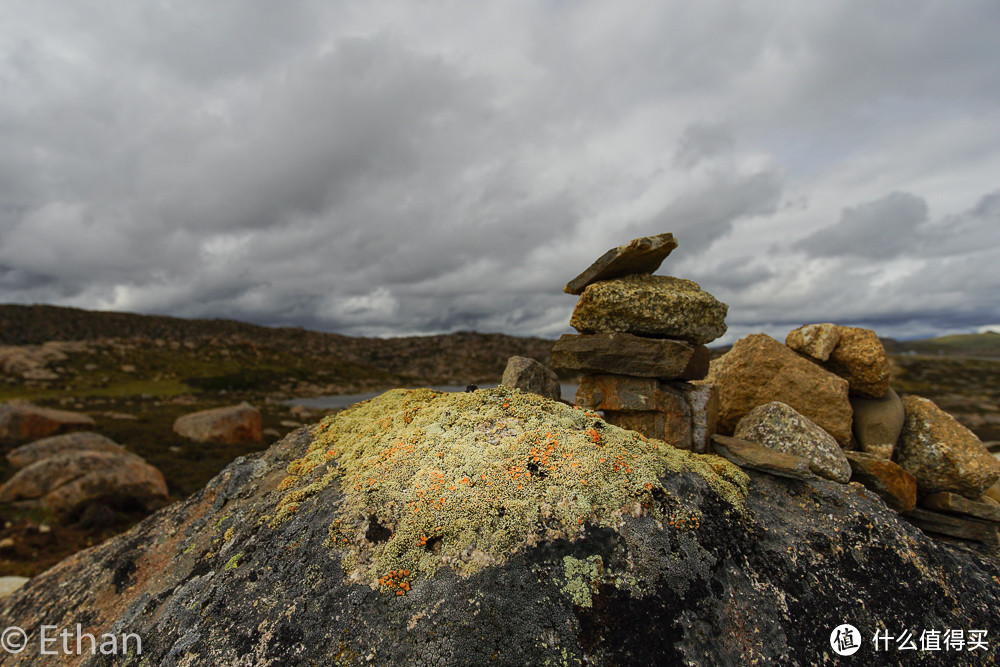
{"x": 391, "y": 168}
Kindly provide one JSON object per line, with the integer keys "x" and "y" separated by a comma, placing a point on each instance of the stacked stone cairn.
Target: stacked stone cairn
{"x": 641, "y": 344}
{"x": 822, "y": 404}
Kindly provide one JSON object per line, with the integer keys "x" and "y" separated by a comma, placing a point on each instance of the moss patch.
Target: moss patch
{"x": 433, "y": 479}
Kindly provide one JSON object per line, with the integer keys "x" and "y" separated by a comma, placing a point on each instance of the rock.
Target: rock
{"x": 703, "y": 404}
{"x": 814, "y": 340}
{"x": 894, "y": 485}
{"x": 750, "y": 455}
{"x": 625, "y": 354}
{"x": 672, "y": 427}
{"x": 657, "y": 306}
{"x": 66, "y": 482}
{"x": 709, "y": 564}
{"x": 878, "y": 423}
{"x": 780, "y": 427}
{"x": 643, "y": 255}
{"x": 758, "y": 369}
{"x": 25, "y": 455}
{"x": 860, "y": 359}
{"x": 621, "y": 392}
{"x": 533, "y": 376}
{"x": 21, "y": 421}
{"x": 10, "y": 584}
{"x": 301, "y": 412}
{"x": 954, "y": 526}
{"x": 941, "y": 453}
{"x": 950, "y": 502}
{"x": 233, "y": 424}
{"x": 121, "y": 416}
{"x": 993, "y": 492}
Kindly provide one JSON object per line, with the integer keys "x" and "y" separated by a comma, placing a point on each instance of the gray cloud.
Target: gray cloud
{"x": 877, "y": 230}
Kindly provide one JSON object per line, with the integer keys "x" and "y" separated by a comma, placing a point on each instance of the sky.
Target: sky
{"x": 401, "y": 168}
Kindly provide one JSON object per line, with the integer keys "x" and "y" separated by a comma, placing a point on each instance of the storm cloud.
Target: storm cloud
{"x": 409, "y": 168}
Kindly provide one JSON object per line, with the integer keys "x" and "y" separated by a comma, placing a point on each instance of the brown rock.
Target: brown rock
{"x": 532, "y": 376}
{"x": 894, "y": 485}
{"x": 621, "y": 392}
{"x": 65, "y": 482}
{"x": 673, "y": 428}
{"x": 625, "y": 354}
{"x": 238, "y": 423}
{"x": 860, "y": 359}
{"x": 747, "y": 454}
{"x": 941, "y": 453}
{"x": 21, "y": 421}
{"x": 778, "y": 426}
{"x": 657, "y": 306}
{"x": 878, "y": 423}
{"x": 759, "y": 369}
{"x": 25, "y": 455}
{"x": 814, "y": 340}
{"x": 703, "y": 403}
{"x": 954, "y": 526}
{"x": 950, "y": 502}
{"x": 993, "y": 492}
{"x": 643, "y": 255}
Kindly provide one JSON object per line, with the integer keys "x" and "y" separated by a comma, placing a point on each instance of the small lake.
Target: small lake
{"x": 340, "y": 401}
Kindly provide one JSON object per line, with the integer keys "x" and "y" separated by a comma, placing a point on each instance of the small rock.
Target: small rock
{"x": 656, "y": 306}
{"x": 10, "y": 584}
{"x": 747, "y": 454}
{"x": 643, "y": 255}
{"x": 21, "y": 421}
{"x": 673, "y": 427}
{"x": 941, "y": 453}
{"x": 288, "y": 423}
{"x": 7, "y": 543}
{"x": 121, "y": 416}
{"x": 531, "y": 376}
{"x": 759, "y": 369}
{"x": 894, "y": 485}
{"x": 814, "y": 340}
{"x": 950, "y": 502}
{"x": 25, "y": 455}
{"x": 878, "y": 423}
{"x": 300, "y": 412}
{"x": 860, "y": 359}
{"x": 625, "y": 354}
{"x": 780, "y": 427}
{"x": 703, "y": 403}
{"x": 127, "y": 368}
{"x": 233, "y": 424}
{"x": 954, "y": 526}
{"x": 993, "y": 492}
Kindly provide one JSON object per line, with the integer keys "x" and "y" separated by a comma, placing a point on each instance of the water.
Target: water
{"x": 340, "y": 401}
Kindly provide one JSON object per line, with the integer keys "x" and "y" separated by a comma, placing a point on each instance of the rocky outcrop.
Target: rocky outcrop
{"x": 942, "y": 454}
{"x": 778, "y": 426}
{"x": 67, "y": 482}
{"x": 878, "y": 423}
{"x": 237, "y": 423}
{"x": 758, "y": 369}
{"x": 531, "y": 375}
{"x": 21, "y": 421}
{"x": 25, "y": 455}
{"x": 656, "y": 306}
{"x": 334, "y": 546}
{"x": 625, "y": 354}
{"x": 639, "y": 256}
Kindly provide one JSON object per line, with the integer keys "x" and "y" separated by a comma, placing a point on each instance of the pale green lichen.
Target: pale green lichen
{"x": 233, "y": 562}
{"x": 434, "y": 479}
{"x": 582, "y": 578}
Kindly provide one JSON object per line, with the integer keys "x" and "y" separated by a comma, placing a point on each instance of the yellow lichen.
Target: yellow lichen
{"x": 466, "y": 479}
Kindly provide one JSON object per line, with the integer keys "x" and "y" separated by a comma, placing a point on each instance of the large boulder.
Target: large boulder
{"x": 530, "y": 375}
{"x": 25, "y": 455}
{"x": 656, "y": 306}
{"x": 67, "y": 482}
{"x": 860, "y": 358}
{"x": 779, "y": 427}
{"x": 941, "y": 453}
{"x": 395, "y": 533}
{"x": 625, "y": 354}
{"x": 642, "y": 255}
{"x": 878, "y": 423}
{"x": 21, "y": 421}
{"x": 758, "y": 369}
{"x": 232, "y": 424}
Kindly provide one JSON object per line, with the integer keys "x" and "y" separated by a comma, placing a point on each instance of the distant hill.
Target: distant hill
{"x": 966, "y": 345}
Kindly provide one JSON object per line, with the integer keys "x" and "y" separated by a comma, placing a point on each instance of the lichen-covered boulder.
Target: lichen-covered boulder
{"x": 657, "y": 306}
{"x": 77, "y": 441}
{"x": 778, "y": 426}
{"x": 230, "y": 424}
{"x": 531, "y": 375}
{"x": 496, "y": 527}
{"x": 942, "y": 453}
{"x": 21, "y": 421}
{"x": 758, "y": 369}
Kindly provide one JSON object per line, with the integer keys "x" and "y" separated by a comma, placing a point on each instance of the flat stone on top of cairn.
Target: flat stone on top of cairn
{"x": 642, "y": 255}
